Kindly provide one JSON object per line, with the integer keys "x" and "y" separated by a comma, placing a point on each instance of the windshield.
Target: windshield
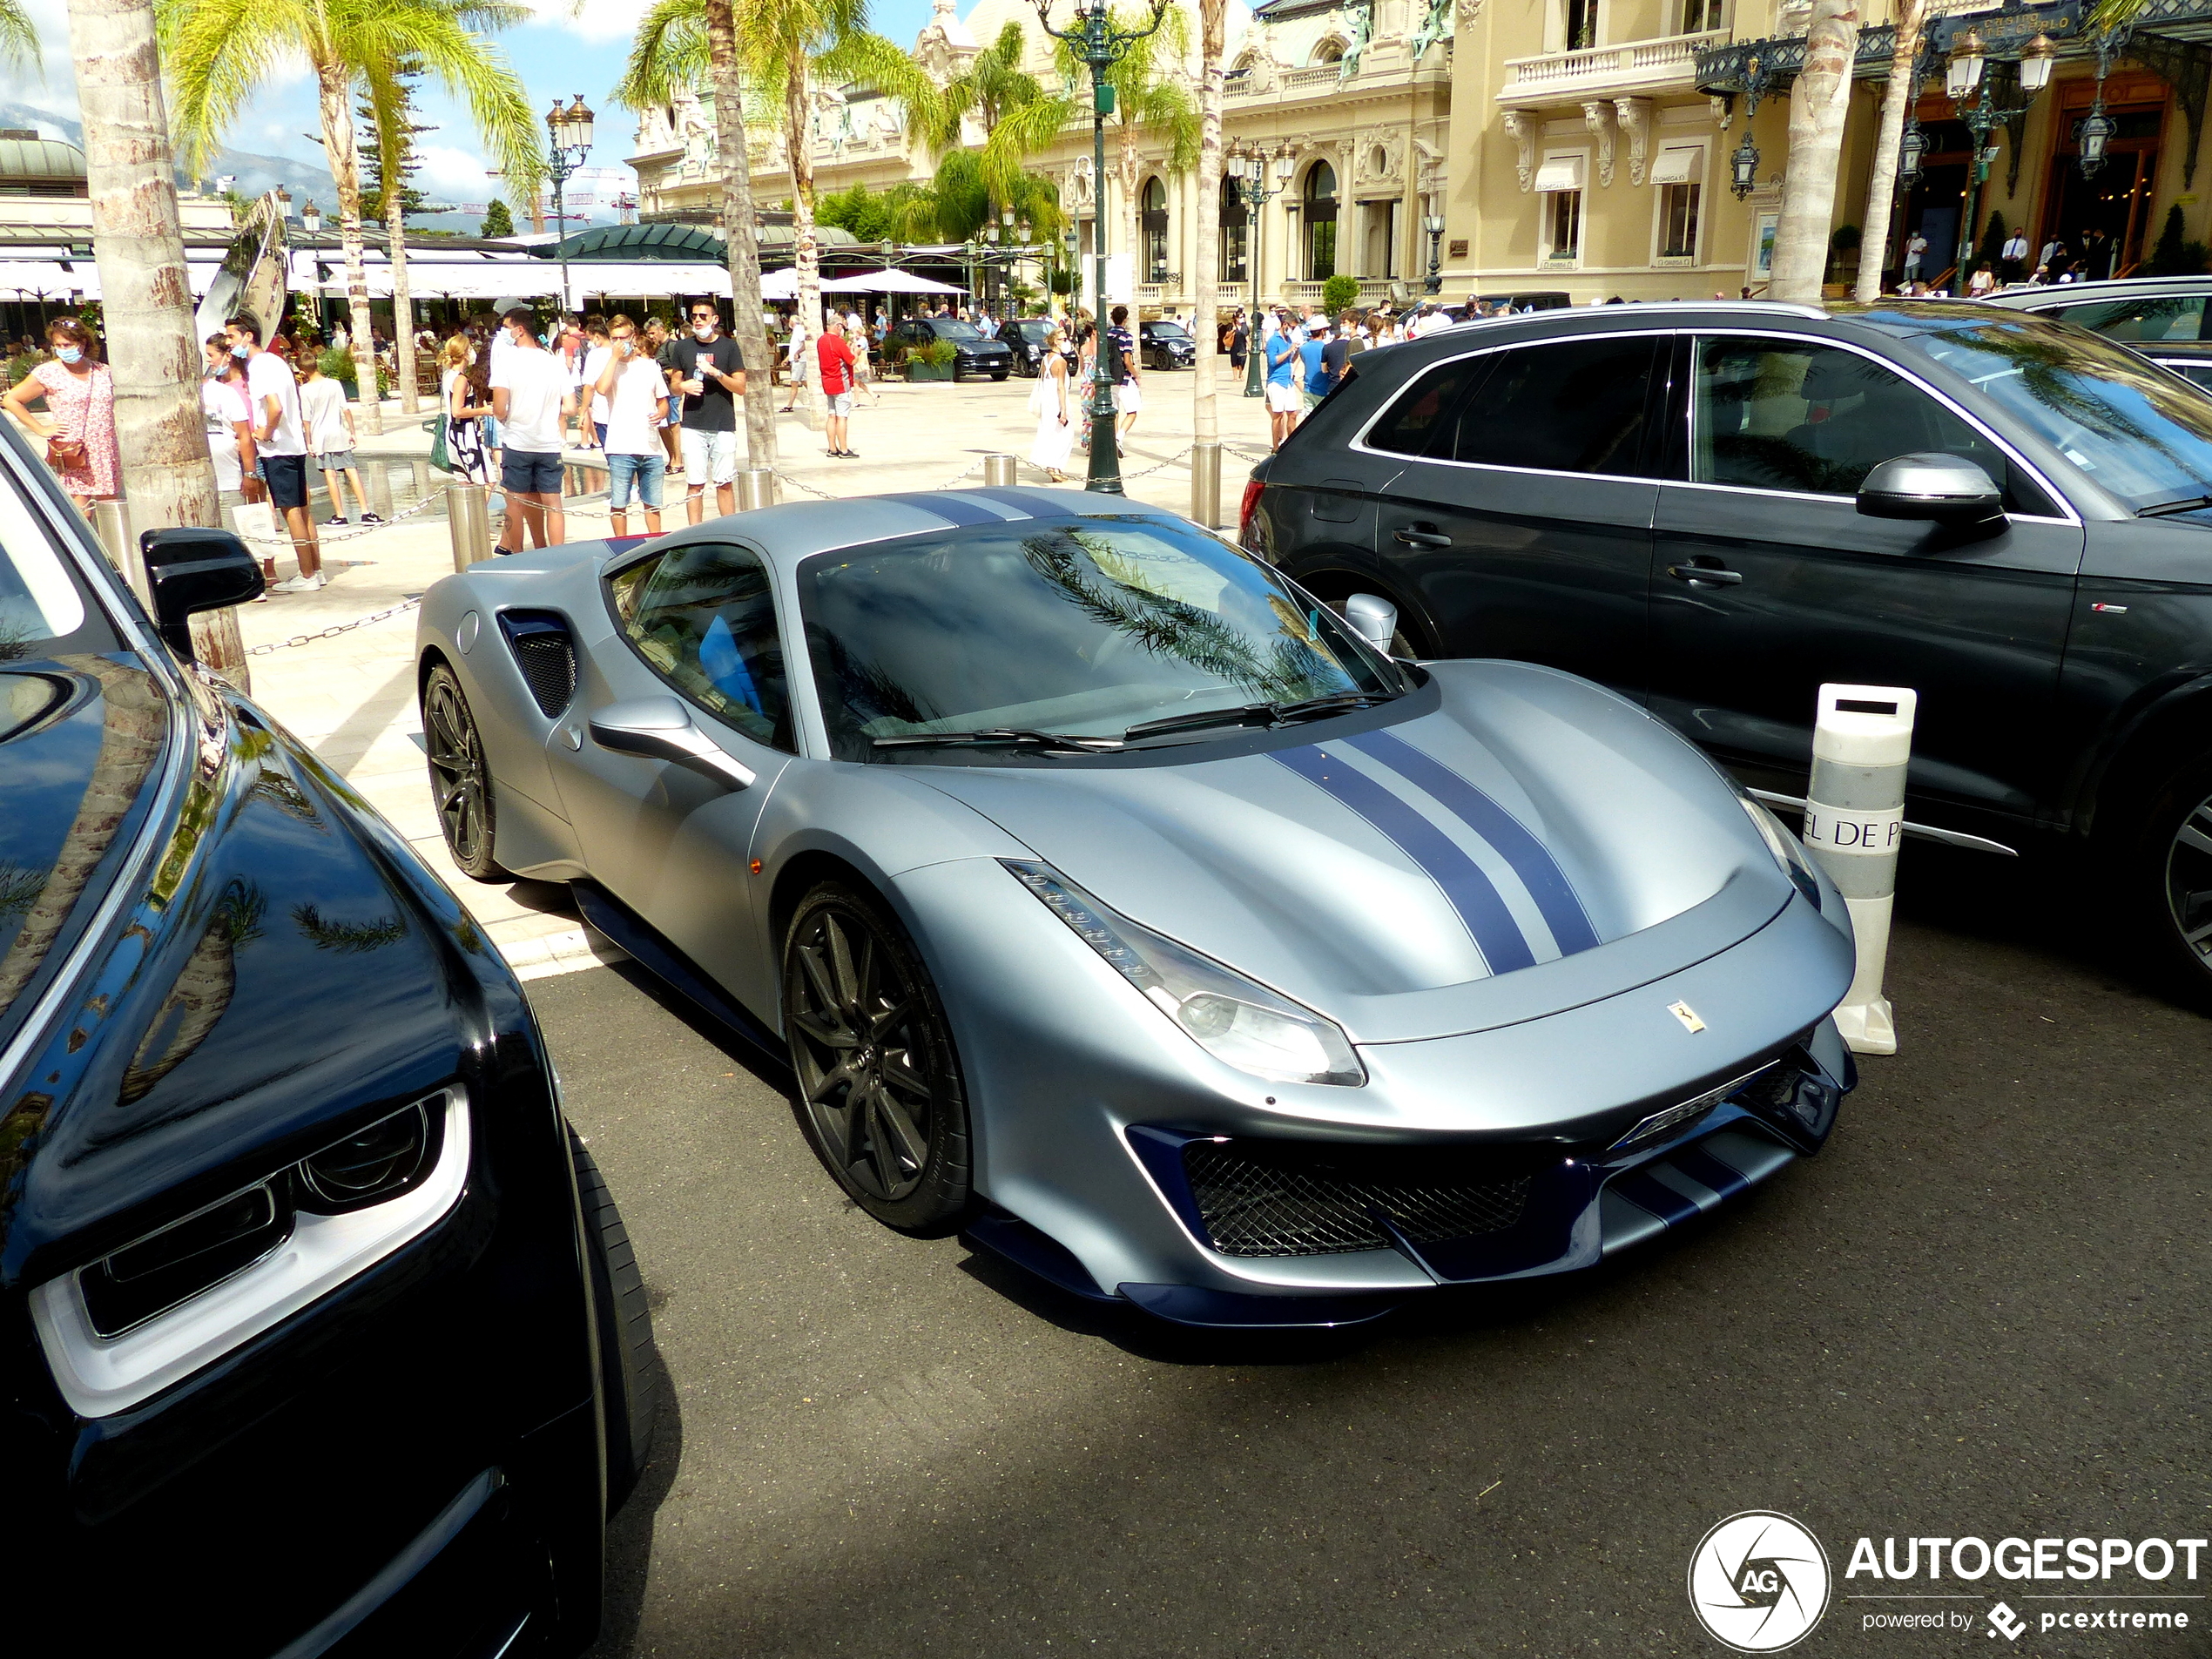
{"x": 2137, "y": 431}
{"x": 1167, "y": 330}
{"x": 956, "y": 331}
{"x": 1085, "y": 627}
{"x": 1033, "y": 332}
{"x": 39, "y": 600}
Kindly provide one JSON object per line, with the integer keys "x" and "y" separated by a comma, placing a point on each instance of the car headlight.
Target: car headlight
{"x": 1238, "y": 1021}
{"x": 146, "y": 1316}
{"x": 1787, "y": 852}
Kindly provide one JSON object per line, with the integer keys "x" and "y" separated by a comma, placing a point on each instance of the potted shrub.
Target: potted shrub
{"x": 1337, "y": 293}
{"x": 931, "y": 360}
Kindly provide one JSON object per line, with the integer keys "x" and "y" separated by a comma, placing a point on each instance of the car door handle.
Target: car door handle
{"x": 1422, "y": 538}
{"x": 1704, "y": 576}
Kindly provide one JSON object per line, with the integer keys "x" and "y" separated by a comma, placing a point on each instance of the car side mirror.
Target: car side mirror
{"x": 191, "y": 569}
{"x": 1937, "y": 486}
{"x": 1373, "y": 618}
{"x": 661, "y": 728}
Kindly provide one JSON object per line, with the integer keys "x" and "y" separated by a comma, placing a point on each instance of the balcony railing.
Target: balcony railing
{"x": 1668, "y": 63}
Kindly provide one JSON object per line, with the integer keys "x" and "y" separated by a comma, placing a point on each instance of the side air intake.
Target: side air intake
{"x": 546, "y": 654}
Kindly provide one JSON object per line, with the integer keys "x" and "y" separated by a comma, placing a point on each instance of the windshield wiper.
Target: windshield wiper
{"x": 997, "y": 734}
{"x": 2185, "y": 504}
{"x": 1256, "y": 714}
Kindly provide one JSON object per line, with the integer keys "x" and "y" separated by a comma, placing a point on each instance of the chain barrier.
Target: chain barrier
{"x": 350, "y": 532}
{"x": 332, "y": 632}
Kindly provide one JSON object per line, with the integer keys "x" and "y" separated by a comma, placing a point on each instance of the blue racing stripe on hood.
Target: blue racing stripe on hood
{"x": 1496, "y": 934}
{"x": 1531, "y": 860}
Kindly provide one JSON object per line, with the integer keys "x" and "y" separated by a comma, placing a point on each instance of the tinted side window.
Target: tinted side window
{"x": 1771, "y": 414}
{"x": 1411, "y": 425}
{"x": 1571, "y": 406}
{"x": 705, "y": 618}
{"x": 2166, "y": 316}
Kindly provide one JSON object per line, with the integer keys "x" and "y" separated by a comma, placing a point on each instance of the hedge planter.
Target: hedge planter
{"x": 917, "y": 370}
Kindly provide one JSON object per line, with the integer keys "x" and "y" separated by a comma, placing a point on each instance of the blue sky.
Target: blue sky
{"x": 557, "y": 57}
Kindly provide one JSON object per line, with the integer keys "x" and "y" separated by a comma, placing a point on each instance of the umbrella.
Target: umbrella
{"x": 888, "y": 282}
{"x": 780, "y": 284}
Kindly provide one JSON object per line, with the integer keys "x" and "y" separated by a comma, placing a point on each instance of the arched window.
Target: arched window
{"x": 1153, "y": 229}
{"x": 1321, "y": 210}
{"x": 1331, "y": 50}
{"x": 1236, "y": 234}
{"x": 1244, "y": 65}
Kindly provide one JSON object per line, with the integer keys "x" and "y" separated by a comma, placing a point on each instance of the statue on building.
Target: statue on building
{"x": 695, "y": 128}
{"x": 944, "y": 46}
{"x": 1436, "y": 25}
{"x": 1360, "y": 28}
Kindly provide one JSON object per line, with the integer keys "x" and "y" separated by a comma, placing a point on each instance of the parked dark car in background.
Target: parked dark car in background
{"x": 309, "y": 1345}
{"x": 1526, "y": 300}
{"x": 1704, "y": 506}
{"x": 2164, "y": 318}
{"x": 1166, "y": 345}
{"x": 1025, "y": 336}
{"x": 974, "y": 354}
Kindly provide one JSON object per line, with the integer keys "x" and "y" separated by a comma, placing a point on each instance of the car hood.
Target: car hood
{"x": 1505, "y": 844}
{"x": 240, "y": 951}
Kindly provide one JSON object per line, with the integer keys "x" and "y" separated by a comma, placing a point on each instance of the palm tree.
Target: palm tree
{"x": 993, "y": 85}
{"x": 217, "y": 53}
{"x": 1888, "y": 137}
{"x": 19, "y": 39}
{"x": 138, "y": 239}
{"x": 680, "y": 42}
{"x": 1817, "y": 108}
{"x": 1213, "y": 23}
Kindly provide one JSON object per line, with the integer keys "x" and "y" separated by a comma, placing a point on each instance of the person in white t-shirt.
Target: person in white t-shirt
{"x": 632, "y": 394}
{"x": 330, "y": 435}
{"x": 281, "y": 444}
{"x": 529, "y": 395}
{"x": 591, "y": 414}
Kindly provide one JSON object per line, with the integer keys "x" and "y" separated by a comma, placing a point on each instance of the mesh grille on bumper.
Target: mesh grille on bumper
{"x": 1292, "y": 1204}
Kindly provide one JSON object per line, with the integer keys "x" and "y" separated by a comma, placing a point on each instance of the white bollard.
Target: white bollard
{"x": 1862, "y": 740}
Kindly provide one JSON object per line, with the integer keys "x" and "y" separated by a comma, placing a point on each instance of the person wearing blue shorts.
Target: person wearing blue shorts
{"x": 529, "y": 393}
{"x": 632, "y": 394}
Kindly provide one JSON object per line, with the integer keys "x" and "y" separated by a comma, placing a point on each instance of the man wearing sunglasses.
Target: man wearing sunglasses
{"x": 708, "y": 372}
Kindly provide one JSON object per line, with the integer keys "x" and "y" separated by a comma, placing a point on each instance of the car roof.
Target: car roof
{"x": 794, "y": 530}
{"x": 2075, "y": 293}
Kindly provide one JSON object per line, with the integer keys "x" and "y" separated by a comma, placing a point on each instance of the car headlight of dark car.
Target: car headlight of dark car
{"x": 1238, "y": 1021}
{"x": 148, "y": 1314}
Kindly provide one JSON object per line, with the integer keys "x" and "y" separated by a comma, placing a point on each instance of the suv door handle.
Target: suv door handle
{"x": 1704, "y": 576}
{"x": 1423, "y": 538}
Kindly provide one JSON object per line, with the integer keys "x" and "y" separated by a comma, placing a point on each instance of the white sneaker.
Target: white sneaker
{"x": 302, "y": 584}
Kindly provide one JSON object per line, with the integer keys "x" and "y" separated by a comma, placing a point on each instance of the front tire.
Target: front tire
{"x": 627, "y": 1395}
{"x": 879, "y": 1093}
{"x": 2170, "y": 881}
{"x": 461, "y": 785}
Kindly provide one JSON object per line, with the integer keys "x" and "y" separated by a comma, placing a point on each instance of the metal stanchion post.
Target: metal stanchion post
{"x": 998, "y": 472}
{"x": 469, "y": 522}
{"x": 1862, "y": 741}
{"x": 422, "y": 478}
{"x": 377, "y": 477}
{"x": 1205, "y": 484}
{"x": 756, "y": 488}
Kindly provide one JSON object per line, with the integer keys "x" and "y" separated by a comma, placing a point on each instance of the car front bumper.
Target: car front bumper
{"x": 1088, "y": 1103}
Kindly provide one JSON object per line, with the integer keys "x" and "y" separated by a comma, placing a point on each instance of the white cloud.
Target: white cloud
{"x": 449, "y": 174}
{"x": 593, "y": 20}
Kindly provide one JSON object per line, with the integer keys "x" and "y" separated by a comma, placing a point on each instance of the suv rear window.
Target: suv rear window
{"x": 2164, "y": 316}
{"x": 1410, "y": 426}
{"x": 1565, "y": 405}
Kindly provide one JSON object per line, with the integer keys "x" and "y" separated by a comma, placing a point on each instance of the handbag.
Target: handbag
{"x": 64, "y": 454}
{"x": 439, "y": 457}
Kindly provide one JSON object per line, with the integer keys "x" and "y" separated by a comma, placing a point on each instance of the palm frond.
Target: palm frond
{"x": 668, "y": 51}
{"x": 19, "y": 38}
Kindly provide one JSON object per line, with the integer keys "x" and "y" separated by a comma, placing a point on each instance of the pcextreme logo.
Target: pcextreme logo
{"x": 1758, "y": 1581}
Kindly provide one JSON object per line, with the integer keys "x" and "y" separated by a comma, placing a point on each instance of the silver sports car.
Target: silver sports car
{"x": 1117, "y": 904}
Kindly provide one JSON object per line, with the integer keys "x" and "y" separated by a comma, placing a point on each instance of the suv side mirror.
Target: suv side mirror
{"x": 190, "y": 569}
{"x": 1939, "y": 487}
{"x": 1373, "y": 618}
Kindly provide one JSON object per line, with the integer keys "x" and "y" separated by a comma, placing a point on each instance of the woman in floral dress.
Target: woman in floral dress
{"x": 80, "y": 412}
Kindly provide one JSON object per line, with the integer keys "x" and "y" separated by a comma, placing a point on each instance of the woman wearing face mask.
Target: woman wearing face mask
{"x": 467, "y": 399}
{"x": 79, "y": 422}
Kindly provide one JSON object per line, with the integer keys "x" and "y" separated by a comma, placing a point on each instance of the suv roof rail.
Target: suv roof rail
{"x": 1764, "y": 306}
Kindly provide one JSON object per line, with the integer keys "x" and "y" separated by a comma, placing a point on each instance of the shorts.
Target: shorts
{"x": 840, "y": 404}
{"x": 286, "y": 478}
{"x": 709, "y": 457}
{"x": 600, "y": 427}
{"x": 647, "y": 471}
{"x": 1309, "y": 400}
{"x": 336, "y": 460}
{"x": 1281, "y": 399}
{"x": 1128, "y": 400}
{"x": 530, "y": 472}
{"x": 491, "y": 432}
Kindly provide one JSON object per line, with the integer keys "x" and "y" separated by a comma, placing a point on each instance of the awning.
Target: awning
{"x": 648, "y": 279}
{"x": 780, "y": 284}
{"x": 888, "y": 282}
{"x": 1676, "y": 166}
{"x": 1560, "y": 173}
{"x": 40, "y": 278}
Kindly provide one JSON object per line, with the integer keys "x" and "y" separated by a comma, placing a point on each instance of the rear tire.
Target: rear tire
{"x": 628, "y": 1398}
{"x": 2170, "y": 879}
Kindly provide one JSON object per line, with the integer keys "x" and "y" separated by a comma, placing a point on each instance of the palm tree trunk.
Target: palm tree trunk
{"x": 1817, "y": 105}
{"x": 138, "y": 241}
{"x": 334, "y": 91}
{"x": 1881, "y": 189}
{"x": 402, "y": 309}
{"x": 1206, "y": 261}
{"x": 807, "y": 258}
{"x": 742, "y": 235}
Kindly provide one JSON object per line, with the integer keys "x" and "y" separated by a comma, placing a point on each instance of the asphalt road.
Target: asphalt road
{"x": 1980, "y": 1311}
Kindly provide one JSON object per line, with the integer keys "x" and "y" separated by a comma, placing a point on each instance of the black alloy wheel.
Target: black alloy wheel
{"x": 460, "y": 776}
{"x": 879, "y": 1094}
{"x": 2174, "y": 876}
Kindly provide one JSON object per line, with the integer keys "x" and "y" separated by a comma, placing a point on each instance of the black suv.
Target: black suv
{"x": 309, "y": 1346}
{"x": 1703, "y": 506}
{"x": 973, "y": 352}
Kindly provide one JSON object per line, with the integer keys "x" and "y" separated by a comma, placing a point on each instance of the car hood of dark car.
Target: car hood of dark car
{"x": 1530, "y": 844}
{"x": 251, "y": 955}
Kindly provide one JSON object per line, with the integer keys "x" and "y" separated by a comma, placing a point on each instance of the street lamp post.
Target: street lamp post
{"x": 1096, "y": 42}
{"x": 570, "y": 128}
{"x": 1251, "y": 188}
{"x": 311, "y": 222}
{"x": 1966, "y": 75}
{"x": 1433, "y": 224}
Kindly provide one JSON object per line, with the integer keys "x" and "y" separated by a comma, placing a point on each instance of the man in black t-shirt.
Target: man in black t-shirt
{"x": 708, "y": 369}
